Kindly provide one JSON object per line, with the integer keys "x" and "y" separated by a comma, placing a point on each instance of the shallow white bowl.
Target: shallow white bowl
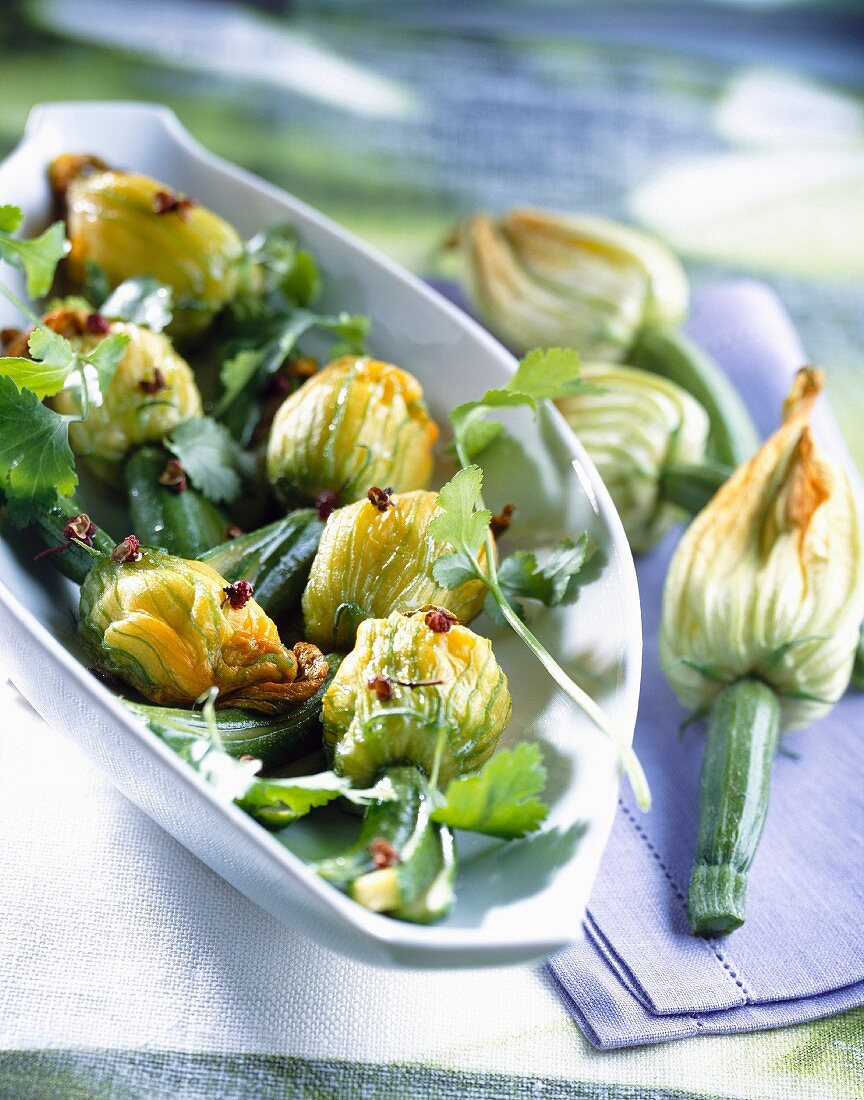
{"x": 515, "y": 902}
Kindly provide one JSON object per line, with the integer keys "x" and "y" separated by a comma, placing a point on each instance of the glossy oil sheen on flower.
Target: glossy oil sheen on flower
{"x": 166, "y": 626}
{"x": 113, "y": 220}
{"x": 466, "y": 712}
{"x": 768, "y": 580}
{"x": 371, "y": 562}
{"x": 152, "y": 391}
{"x": 358, "y": 422}
{"x": 633, "y": 423}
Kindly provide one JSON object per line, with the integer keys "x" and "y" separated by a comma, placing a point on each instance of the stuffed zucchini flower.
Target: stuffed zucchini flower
{"x": 357, "y": 422}
{"x": 376, "y": 556}
{"x": 131, "y": 225}
{"x": 152, "y": 391}
{"x": 640, "y": 430}
{"x": 419, "y": 690}
{"x": 761, "y": 614}
{"x": 172, "y": 629}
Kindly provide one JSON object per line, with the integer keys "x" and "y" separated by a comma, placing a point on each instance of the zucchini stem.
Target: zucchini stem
{"x": 858, "y": 667}
{"x": 691, "y": 486}
{"x": 733, "y": 437}
{"x": 742, "y": 740}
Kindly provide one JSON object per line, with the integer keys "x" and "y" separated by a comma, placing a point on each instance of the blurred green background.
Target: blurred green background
{"x": 734, "y": 130}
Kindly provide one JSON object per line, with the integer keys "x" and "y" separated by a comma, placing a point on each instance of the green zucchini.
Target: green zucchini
{"x": 185, "y": 523}
{"x": 858, "y": 667}
{"x": 275, "y": 560}
{"x": 275, "y": 740}
{"x": 71, "y": 560}
{"x": 418, "y": 884}
{"x": 733, "y": 437}
{"x": 736, "y": 777}
{"x": 691, "y": 486}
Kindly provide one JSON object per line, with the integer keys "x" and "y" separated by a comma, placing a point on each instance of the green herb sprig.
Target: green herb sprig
{"x": 463, "y": 521}
{"x": 262, "y": 326}
{"x": 501, "y": 799}
{"x": 36, "y": 462}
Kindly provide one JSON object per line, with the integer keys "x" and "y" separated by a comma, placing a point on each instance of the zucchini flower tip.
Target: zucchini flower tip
{"x": 768, "y": 582}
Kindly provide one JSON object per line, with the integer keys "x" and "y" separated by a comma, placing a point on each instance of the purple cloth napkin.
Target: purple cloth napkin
{"x": 639, "y": 976}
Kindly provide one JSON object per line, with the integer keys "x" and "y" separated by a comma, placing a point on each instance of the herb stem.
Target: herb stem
{"x": 20, "y": 305}
{"x": 629, "y": 760}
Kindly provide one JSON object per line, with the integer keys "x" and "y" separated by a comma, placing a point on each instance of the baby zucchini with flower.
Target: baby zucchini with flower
{"x": 356, "y": 423}
{"x": 377, "y": 556}
{"x": 610, "y": 292}
{"x": 761, "y": 614}
{"x": 420, "y": 704}
{"x": 648, "y": 438}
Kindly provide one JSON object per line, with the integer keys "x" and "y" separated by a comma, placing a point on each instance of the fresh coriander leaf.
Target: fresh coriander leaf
{"x": 501, "y": 799}
{"x": 229, "y": 778}
{"x": 27, "y": 374}
{"x": 141, "y": 301}
{"x": 279, "y": 802}
{"x": 11, "y": 218}
{"x": 451, "y": 570}
{"x": 284, "y": 269}
{"x": 36, "y": 461}
{"x": 547, "y": 374}
{"x": 50, "y": 348}
{"x": 541, "y": 375}
{"x": 553, "y": 583}
{"x": 105, "y": 358}
{"x": 245, "y": 373}
{"x": 472, "y": 432}
{"x": 302, "y": 284}
{"x": 211, "y": 457}
{"x": 96, "y": 286}
{"x": 457, "y": 522}
{"x": 37, "y": 257}
{"x": 46, "y": 372}
{"x": 236, "y": 373}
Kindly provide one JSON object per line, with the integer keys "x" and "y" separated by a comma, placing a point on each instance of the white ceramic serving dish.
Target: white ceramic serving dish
{"x": 515, "y": 902}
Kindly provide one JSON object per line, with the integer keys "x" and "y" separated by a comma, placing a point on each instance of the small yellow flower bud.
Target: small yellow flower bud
{"x": 371, "y": 562}
{"x": 152, "y": 391}
{"x": 446, "y": 698}
{"x": 358, "y": 422}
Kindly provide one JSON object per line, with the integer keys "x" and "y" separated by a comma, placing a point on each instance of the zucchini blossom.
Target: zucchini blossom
{"x": 768, "y": 580}
{"x": 417, "y": 690}
{"x": 173, "y": 629}
{"x": 761, "y": 614}
{"x": 375, "y": 558}
{"x": 357, "y": 422}
{"x": 554, "y": 280}
{"x": 638, "y": 429}
{"x": 131, "y": 225}
{"x": 152, "y": 391}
